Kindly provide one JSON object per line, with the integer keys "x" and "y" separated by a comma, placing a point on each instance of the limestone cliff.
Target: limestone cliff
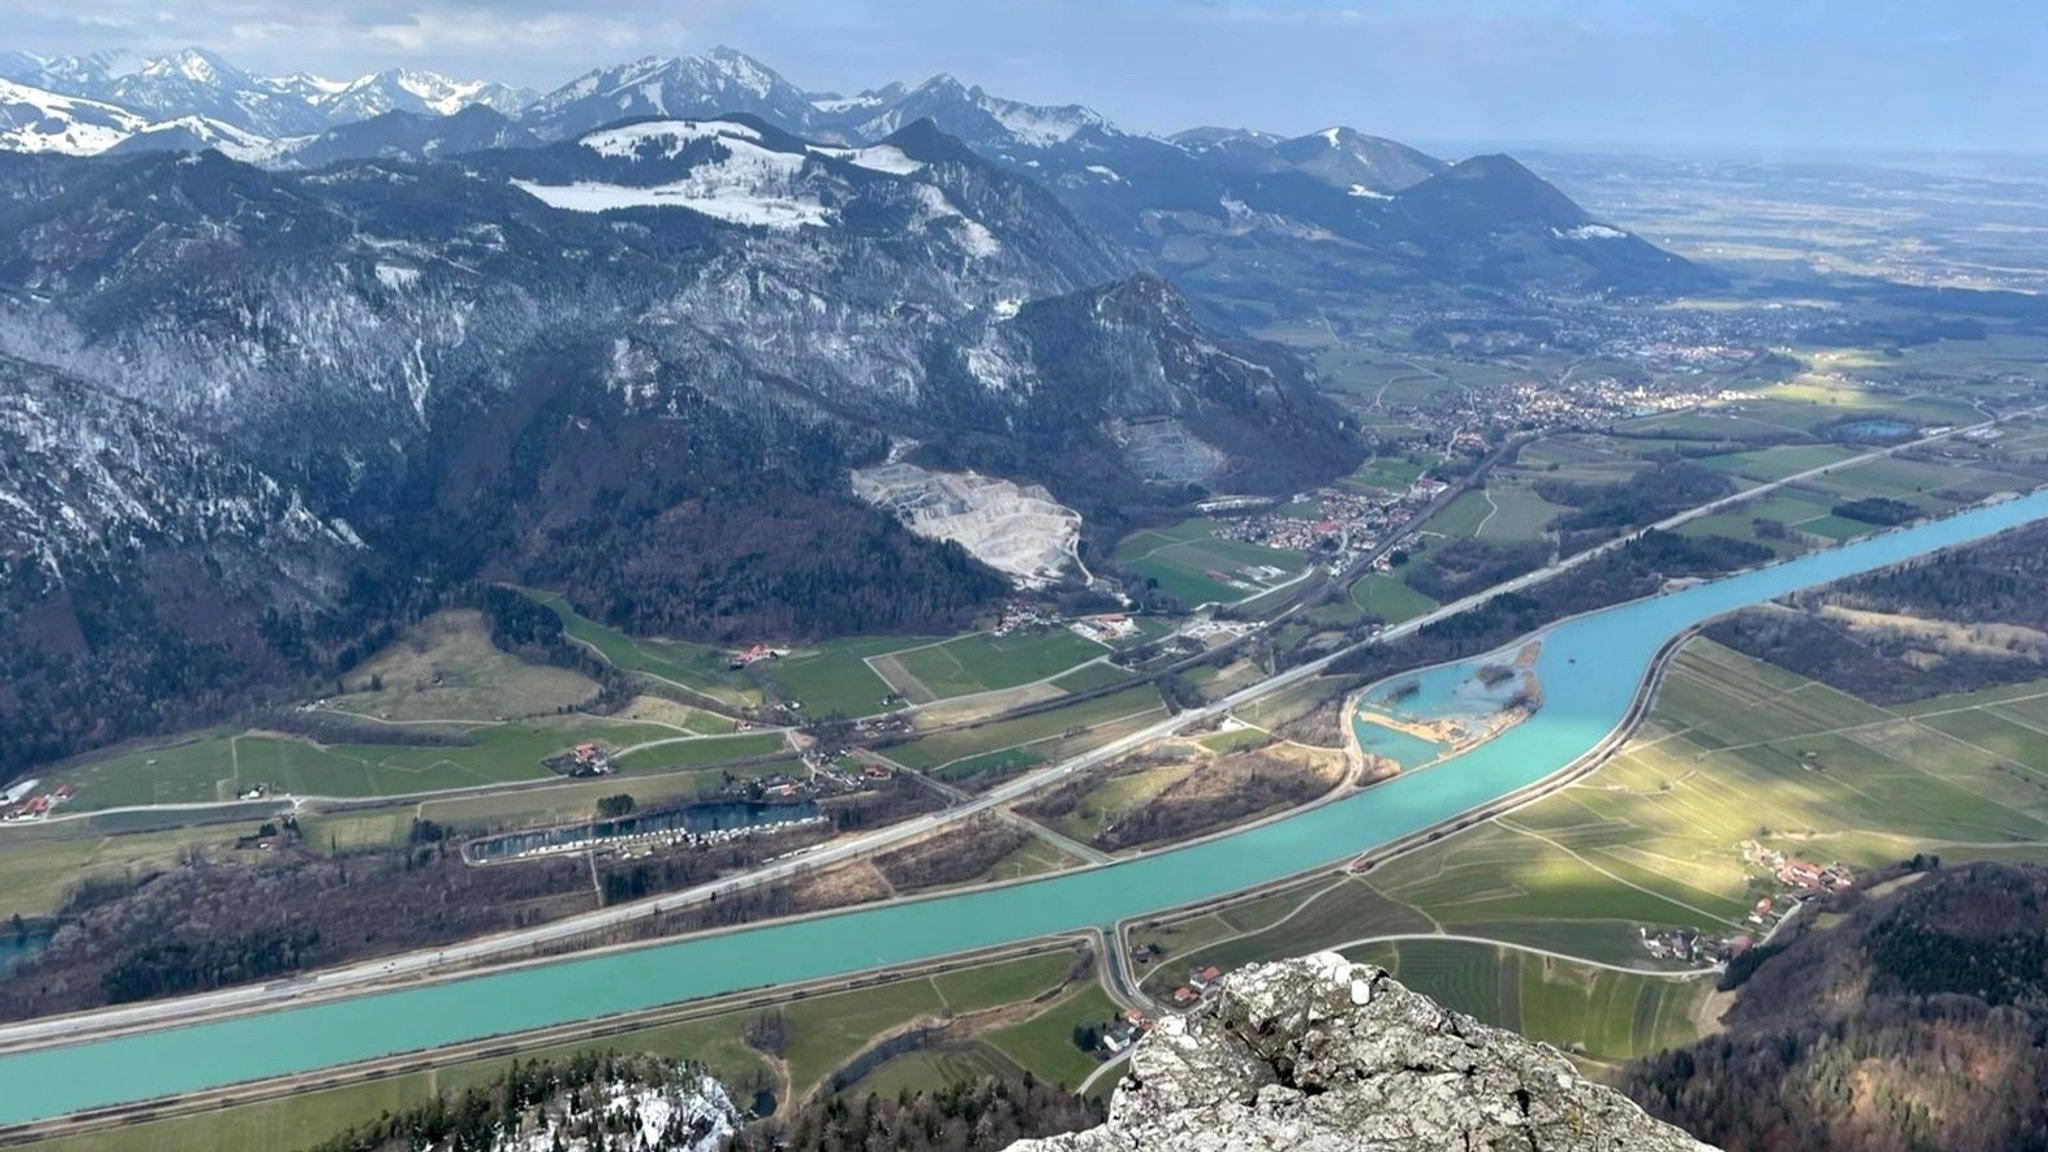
{"x": 1323, "y": 1055}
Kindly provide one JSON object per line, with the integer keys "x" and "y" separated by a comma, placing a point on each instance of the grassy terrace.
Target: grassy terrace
{"x": 1191, "y": 564}
{"x": 1600, "y": 1016}
{"x": 697, "y": 667}
{"x": 1060, "y": 726}
{"x": 984, "y": 662}
{"x": 217, "y": 766}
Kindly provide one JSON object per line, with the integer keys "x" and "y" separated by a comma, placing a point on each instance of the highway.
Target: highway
{"x": 516, "y": 945}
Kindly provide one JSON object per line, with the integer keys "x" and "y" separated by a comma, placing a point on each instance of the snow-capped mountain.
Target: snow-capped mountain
{"x": 643, "y": 355}
{"x": 695, "y": 87}
{"x": 195, "y": 82}
{"x": 35, "y": 120}
{"x": 1242, "y": 143}
{"x": 417, "y": 92}
{"x": 194, "y": 98}
{"x": 196, "y": 134}
{"x": 1357, "y": 163}
{"x": 405, "y": 136}
{"x": 984, "y": 122}
{"x": 85, "y": 75}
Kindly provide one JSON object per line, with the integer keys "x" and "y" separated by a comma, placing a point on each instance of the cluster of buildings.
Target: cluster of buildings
{"x": 1692, "y": 946}
{"x": 748, "y": 657}
{"x": 1123, "y": 1032}
{"x": 24, "y": 801}
{"x": 584, "y": 760}
{"x": 1347, "y": 523}
{"x": 1800, "y": 880}
{"x": 1201, "y": 982}
{"x": 1019, "y": 615}
{"x": 1105, "y": 628}
{"x": 1798, "y": 876}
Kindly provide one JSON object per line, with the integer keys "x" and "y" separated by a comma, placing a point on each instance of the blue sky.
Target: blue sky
{"x": 1663, "y": 75}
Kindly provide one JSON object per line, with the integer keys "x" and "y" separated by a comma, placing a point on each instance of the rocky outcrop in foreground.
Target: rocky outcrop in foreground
{"x": 1323, "y": 1055}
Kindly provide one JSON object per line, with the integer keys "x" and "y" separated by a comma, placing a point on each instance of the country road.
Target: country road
{"x": 513, "y": 945}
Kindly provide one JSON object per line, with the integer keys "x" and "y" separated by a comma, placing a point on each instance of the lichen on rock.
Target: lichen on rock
{"x": 1321, "y": 1055}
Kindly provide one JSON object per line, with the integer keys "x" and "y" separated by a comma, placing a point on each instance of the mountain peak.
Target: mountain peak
{"x": 1324, "y": 1053}
{"x": 944, "y": 82}
{"x": 1358, "y": 163}
{"x": 196, "y": 65}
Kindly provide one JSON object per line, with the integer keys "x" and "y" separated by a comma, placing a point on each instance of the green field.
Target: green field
{"x": 216, "y": 767}
{"x": 1394, "y": 473}
{"x": 1516, "y": 512}
{"x": 1734, "y": 750}
{"x": 1091, "y": 676}
{"x": 836, "y": 677}
{"x": 1384, "y": 595}
{"x": 446, "y": 668}
{"x": 943, "y": 748}
{"x": 995, "y": 765}
{"x": 1192, "y": 565}
{"x": 1292, "y": 923}
{"x": 701, "y": 751}
{"x": 697, "y": 667}
{"x": 930, "y": 1069}
{"x": 1600, "y": 1015}
{"x": 1044, "y": 1044}
{"x": 1777, "y": 463}
{"x": 984, "y": 662}
{"x": 40, "y": 864}
{"x": 1460, "y": 518}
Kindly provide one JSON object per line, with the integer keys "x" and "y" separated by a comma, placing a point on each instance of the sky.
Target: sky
{"x": 1752, "y": 76}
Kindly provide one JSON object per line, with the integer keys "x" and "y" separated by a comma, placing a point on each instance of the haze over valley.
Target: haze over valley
{"x": 680, "y": 609}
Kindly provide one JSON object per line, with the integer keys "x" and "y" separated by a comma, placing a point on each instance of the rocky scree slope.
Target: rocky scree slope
{"x": 1322, "y": 1055}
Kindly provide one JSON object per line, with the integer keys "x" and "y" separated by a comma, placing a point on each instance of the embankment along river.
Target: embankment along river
{"x": 1590, "y": 669}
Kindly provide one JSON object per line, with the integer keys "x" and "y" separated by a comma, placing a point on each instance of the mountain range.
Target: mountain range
{"x": 288, "y": 360}
{"x": 1203, "y": 206}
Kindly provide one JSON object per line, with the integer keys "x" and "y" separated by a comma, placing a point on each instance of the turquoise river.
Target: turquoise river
{"x": 1590, "y": 668}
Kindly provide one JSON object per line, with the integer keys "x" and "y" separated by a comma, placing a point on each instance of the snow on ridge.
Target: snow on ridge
{"x": 34, "y": 120}
{"x": 626, "y": 141}
{"x": 1367, "y": 193}
{"x": 885, "y": 158}
{"x": 972, "y": 236}
{"x": 1040, "y": 127}
{"x": 752, "y": 186}
{"x": 1589, "y": 232}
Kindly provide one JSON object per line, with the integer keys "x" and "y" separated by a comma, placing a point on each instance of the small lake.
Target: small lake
{"x": 1877, "y": 430}
{"x": 1590, "y": 668}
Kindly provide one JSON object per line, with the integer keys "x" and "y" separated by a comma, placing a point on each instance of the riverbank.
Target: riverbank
{"x": 1593, "y": 669}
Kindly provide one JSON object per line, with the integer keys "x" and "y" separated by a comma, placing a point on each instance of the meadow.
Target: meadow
{"x": 1191, "y": 564}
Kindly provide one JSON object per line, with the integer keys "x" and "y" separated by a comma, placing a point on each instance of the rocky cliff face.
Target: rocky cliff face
{"x": 1321, "y": 1055}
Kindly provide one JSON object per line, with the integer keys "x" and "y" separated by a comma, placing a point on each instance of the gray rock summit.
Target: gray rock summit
{"x": 1322, "y": 1055}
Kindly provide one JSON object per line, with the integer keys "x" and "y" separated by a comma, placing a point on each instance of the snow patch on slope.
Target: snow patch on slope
{"x": 33, "y": 120}
{"x": 1589, "y": 232}
{"x": 669, "y": 137}
{"x": 751, "y": 185}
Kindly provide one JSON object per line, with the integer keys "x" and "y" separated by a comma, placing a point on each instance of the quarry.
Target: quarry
{"x": 1020, "y": 531}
